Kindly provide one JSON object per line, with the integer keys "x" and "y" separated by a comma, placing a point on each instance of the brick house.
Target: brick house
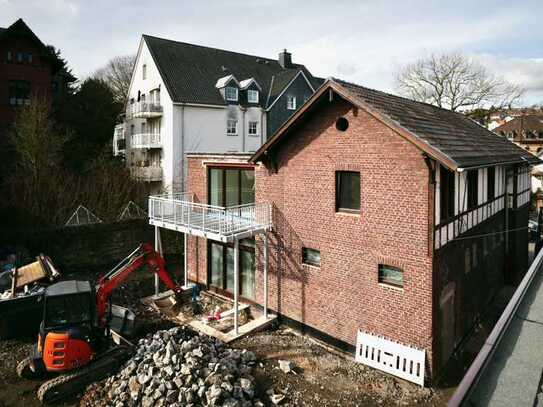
{"x": 27, "y": 68}
{"x": 388, "y": 216}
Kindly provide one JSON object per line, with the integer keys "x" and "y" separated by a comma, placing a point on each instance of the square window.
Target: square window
{"x": 231, "y": 93}
{"x": 253, "y": 128}
{"x": 347, "y": 191}
{"x": 291, "y": 102}
{"x": 252, "y": 96}
{"x": 232, "y": 127}
{"x": 390, "y": 275}
{"x": 311, "y": 257}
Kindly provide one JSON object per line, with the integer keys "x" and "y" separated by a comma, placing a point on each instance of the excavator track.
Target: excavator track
{"x": 71, "y": 383}
{"x": 24, "y": 369}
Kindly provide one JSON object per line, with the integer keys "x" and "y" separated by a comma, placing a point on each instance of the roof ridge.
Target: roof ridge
{"x": 399, "y": 97}
{"x": 296, "y": 66}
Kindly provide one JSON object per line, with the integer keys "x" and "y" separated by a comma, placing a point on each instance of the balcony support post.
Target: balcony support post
{"x": 185, "y": 260}
{"x": 158, "y": 249}
{"x": 236, "y": 285}
{"x": 265, "y": 274}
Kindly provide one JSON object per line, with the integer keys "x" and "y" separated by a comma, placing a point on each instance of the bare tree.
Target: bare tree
{"x": 117, "y": 74}
{"x": 455, "y": 81}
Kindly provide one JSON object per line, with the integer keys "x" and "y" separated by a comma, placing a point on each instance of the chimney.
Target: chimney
{"x": 285, "y": 59}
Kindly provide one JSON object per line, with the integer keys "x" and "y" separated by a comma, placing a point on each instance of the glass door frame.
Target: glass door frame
{"x": 224, "y": 168}
{"x": 223, "y": 290}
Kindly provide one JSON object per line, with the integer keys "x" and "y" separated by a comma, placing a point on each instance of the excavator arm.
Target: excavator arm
{"x": 143, "y": 255}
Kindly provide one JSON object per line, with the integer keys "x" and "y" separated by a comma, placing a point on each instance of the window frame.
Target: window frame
{"x": 291, "y": 102}
{"x": 491, "y": 183}
{"x": 472, "y": 186}
{"x": 446, "y": 194}
{"x": 19, "y": 92}
{"x": 252, "y": 92}
{"x": 255, "y": 128}
{"x": 305, "y": 259}
{"x": 144, "y": 72}
{"x": 388, "y": 283}
{"x": 231, "y": 98}
{"x": 9, "y": 56}
{"x": 228, "y": 128}
{"x": 340, "y": 208}
{"x": 223, "y": 183}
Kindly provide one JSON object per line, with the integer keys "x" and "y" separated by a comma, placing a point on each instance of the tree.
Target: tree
{"x": 117, "y": 74}
{"x": 90, "y": 114}
{"x": 454, "y": 81}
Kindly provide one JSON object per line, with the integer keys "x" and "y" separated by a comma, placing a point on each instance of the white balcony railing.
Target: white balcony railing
{"x": 118, "y": 139}
{"x": 214, "y": 222}
{"x": 144, "y": 110}
{"x": 146, "y": 140}
{"x": 148, "y": 174}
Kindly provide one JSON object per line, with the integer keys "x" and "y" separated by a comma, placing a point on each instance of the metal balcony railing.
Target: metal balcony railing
{"x": 146, "y": 140}
{"x": 144, "y": 110}
{"x": 213, "y": 222}
{"x": 147, "y": 174}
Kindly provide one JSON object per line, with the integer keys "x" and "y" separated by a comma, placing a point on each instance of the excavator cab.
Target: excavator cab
{"x": 67, "y": 334}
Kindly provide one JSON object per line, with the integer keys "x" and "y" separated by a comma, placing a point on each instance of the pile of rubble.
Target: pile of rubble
{"x": 178, "y": 367}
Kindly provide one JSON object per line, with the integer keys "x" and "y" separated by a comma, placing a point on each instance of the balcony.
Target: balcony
{"x": 119, "y": 144}
{"x": 179, "y": 212}
{"x": 146, "y": 140}
{"x": 146, "y": 174}
{"x": 144, "y": 110}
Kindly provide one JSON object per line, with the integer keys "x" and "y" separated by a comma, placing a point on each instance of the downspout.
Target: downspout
{"x": 183, "y": 183}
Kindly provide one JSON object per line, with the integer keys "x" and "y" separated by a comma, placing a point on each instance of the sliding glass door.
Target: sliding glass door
{"x": 221, "y": 267}
{"x": 231, "y": 186}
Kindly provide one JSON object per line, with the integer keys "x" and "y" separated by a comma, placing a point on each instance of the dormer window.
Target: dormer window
{"x": 252, "y": 96}
{"x": 231, "y": 93}
{"x": 291, "y": 102}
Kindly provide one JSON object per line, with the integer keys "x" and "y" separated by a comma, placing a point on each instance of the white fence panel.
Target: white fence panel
{"x": 391, "y": 357}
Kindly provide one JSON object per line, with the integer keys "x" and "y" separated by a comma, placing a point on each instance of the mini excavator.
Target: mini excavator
{"x": 74, "y": 342}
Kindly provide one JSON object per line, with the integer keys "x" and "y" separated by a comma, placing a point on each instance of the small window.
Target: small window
{"x": 252, "y": 96}
{"x": 19, "y": 93}
{"x": 253, "y": 128}
{"x": 29, "y": 57}
{"x": 291, "y": 102}
{"x": 342, "y": 124}
{"x": 491, "y": 182}
{"x": 390, "y": 275}
{"x": 231, "y": 93}
{"x": 473, "y": 188}
{"x": 19, "y": 57}
{"x": 311, "y": 256}
{"x": 9, "y": 56}
{"x": 144, "y": 71}
{"x": 347, "y": 191}
{"x": 232, "y": 127}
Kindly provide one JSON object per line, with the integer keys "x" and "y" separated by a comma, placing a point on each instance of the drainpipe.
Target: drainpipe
{"x": 183, "y": 148}
{"x": 243, "y": 130}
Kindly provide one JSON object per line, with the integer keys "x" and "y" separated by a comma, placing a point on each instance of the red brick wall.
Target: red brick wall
{"x": 343, "y": 295}
{"x": 38, "y": 73}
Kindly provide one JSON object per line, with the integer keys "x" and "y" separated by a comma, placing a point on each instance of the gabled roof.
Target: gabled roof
{"x": 190, "y": 72}
{"x": 449, "y": 137}
{"x": 222, "y": 82}
{"x": 20, "y": 29}
{"x": 532, "y": 122}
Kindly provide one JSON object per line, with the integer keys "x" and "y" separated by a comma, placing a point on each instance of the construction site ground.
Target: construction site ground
{"x": 321, "y": 377}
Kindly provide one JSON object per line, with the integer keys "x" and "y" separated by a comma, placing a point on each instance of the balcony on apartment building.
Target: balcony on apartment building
{"x": 146, "y": 140}
{"x": 144, "y": 110}
{"x": 119, "y": 140}
{"x": 146, "y": 173}
{"x": 179, "y": 212}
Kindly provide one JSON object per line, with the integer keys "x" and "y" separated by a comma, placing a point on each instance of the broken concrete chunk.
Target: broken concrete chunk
{"x": 286, "y": 366}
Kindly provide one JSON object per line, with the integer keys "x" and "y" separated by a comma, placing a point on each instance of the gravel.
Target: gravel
{"x": 178, "y": 367}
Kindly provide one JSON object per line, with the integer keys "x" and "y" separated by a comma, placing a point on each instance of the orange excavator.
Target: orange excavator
{"x": 74, "y": 338}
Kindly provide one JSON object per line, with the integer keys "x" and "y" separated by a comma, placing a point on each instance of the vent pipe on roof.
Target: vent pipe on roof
{"x": 285, "y": 59}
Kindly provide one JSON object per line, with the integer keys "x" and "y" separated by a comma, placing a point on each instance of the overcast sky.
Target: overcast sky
{"x": 359, "y": 41}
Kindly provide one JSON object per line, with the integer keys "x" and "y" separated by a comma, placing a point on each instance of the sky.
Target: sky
{"x": 359, "y": 41}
